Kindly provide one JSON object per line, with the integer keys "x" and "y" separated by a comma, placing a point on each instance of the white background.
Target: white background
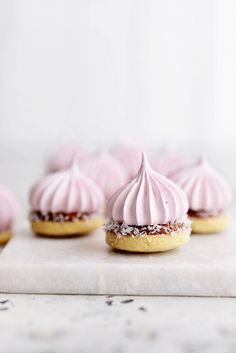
{"x": 161, "y": 71}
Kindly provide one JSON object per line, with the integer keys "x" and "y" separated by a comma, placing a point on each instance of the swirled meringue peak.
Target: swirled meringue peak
{"x": 67, "y": 191}
{"x": 8, "y": 209}
{"x": 130, "y": 155}
{"x": 105, "y": 170}
{"x": 149, "y": 198}
{"x": 168, "y": 162}
{"x": 64, "y": 156}
{"x": 205, "y": 188}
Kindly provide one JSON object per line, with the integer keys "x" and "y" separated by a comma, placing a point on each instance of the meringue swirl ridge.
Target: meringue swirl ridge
{"x": 67, "y": 191}
{"x": 150, "y": 198}
{"x": 206, "y": 189}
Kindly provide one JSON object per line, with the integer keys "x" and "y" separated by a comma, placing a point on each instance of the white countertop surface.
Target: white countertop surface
{"x": 81, "y": 324}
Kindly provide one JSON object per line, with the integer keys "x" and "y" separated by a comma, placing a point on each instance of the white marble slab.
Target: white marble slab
{"x": 206, "y": 266}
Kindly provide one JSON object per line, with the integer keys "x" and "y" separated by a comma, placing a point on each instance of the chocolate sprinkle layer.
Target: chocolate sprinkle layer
{"x": 59, "y": 216}
{"x": 121, "y": 229}
{"x": 203, "y": 214}
{"x": 4, "y": 230}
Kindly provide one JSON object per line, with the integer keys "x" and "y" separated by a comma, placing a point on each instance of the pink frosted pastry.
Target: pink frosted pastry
{"x": 66, "y": 203}
{"x": 64, "y": 156}
{"x": 105, "y": 170}
{"x": 209, "y": 197}
{"x": 8, "y": 210}
{"x": 148, "y": 214}
{"x": 169, "y": 162}
{"x": 130, "y": 155}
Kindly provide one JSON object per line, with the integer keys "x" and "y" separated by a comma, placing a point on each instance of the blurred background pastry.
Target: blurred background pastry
{"x": 209, "y": 196}
{"x": 66, "y": 203}
{"x": 8, "y": 211}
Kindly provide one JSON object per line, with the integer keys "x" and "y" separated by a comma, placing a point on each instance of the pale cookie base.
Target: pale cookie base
{"x": 61, "y": 229}
{"x": 211, "y": 224}
{"x": 147, "y": 243}
{"x": 4, "y": 237}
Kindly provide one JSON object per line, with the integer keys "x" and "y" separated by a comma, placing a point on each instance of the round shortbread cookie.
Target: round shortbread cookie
{"x": 147, "y": 243}
{"x": 5, "y": 236}
{"x": 60, "y": 229}
{"x": 210, "y": 224}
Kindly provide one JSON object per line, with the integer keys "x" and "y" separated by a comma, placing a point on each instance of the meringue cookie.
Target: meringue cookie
{"x": 66, "y": 202}
{"x": 64, "y": 156}
{"x": 169, "y": 162}
{"x": 130, "y": 155}
{"x": 105, "y": 170}
{"x": 205, "y": 188}
{"x": 8, "y": 211}
{"x": 209, "y": 196}
{"x": 148, "y": 214}
{"x": 148, "y": 199}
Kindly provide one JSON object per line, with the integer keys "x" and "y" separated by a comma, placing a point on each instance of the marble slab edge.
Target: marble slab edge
{"x": 42, "y": 279}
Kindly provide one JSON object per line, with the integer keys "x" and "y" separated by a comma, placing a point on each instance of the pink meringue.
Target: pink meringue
{"x": 65, "y": 154}
{"x": 148, "y": 199}
{"x": 67, "y": 191}
{"x": 130, "y": 155}
{"x": 105, "y": 170}
{"x": 205, "y": 188}
{"x": 169, "y": 162}
{"x": 8, "y": 209}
